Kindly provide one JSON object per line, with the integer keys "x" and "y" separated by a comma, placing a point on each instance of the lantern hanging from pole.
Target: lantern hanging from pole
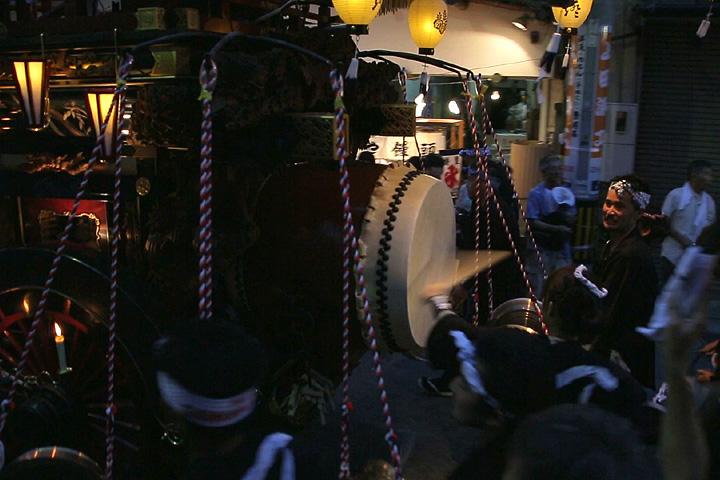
{"x": 99, "y": 104}
{"x": 32, "y": 83}
{"x": 427, "y": 20}
{"x": 574, "y": 15}
{"x": 357, "y": 14}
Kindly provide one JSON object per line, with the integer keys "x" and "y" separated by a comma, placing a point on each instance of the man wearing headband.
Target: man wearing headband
{"x": 508, "y": 373}
{"x": 208, "y": 374}
{"x": 627, "y": 270}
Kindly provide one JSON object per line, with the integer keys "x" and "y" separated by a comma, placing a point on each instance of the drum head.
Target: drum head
{"x": 407, "y": 242}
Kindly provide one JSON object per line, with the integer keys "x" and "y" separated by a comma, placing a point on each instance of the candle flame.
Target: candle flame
{"x": 58, "y": 331}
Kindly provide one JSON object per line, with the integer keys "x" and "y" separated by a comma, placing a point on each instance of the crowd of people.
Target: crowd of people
{"x": 580, "y": 402}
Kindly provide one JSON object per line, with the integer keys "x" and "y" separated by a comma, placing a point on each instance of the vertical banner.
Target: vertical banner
{"x": 601, "y": 93}
{"x": 452, "y": 170}
{"x": 573, "y": 108}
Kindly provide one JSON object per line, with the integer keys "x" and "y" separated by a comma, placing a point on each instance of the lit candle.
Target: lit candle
{"x": 60, "y": 345}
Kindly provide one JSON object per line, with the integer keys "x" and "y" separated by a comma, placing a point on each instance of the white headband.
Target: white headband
{"x": 642, "y": 199}
{"x": 466, "y": 357}
{"x": 208, "y": 412}
{"x": 599, "y": 292}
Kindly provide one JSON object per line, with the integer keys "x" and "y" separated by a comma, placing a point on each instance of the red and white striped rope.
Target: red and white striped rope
{"x": 487, "y": 123}
{"x": 481, "y": 164}
{"x": 208, "y": 81}
{"x": 512, "y": 183}
{"x": 347, "y": 272}
{"x": 350, "y": 242}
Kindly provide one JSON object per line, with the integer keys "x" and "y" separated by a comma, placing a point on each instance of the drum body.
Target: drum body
{"x": 293, "y": 274}
{"x": 517, "y": 313}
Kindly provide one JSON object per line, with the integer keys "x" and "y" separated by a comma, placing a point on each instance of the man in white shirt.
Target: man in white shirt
{"x": 689, "y": 209}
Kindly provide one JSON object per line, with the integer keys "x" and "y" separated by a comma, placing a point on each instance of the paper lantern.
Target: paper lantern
{"x": 574, "y": 15}
{"x": 99, "y": 103}
{"x": 32, "y": 83}
{"x": 357, "y": 14}
{"x": 428, "y": 21}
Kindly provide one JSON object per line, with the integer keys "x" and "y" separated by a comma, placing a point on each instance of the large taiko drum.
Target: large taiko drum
{"x": 407, "y": 242}
{"x": 292, "y": 275}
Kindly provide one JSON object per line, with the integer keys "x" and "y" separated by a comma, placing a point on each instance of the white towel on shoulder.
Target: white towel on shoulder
{"x": 703, "y": 209}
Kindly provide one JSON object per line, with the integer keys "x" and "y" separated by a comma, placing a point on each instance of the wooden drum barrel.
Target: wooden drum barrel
{"x": 293, "y": 274}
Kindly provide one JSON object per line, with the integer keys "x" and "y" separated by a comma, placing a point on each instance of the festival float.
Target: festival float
{"x": 137, "y": 193}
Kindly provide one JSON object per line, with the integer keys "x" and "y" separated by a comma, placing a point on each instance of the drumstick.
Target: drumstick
{"x": 468, "y": 263}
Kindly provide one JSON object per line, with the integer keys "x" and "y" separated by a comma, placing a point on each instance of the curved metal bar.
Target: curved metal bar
{"x": 450, "y": 67}
{"x": 175, "y": 36}
{"x": 273, "y": 41}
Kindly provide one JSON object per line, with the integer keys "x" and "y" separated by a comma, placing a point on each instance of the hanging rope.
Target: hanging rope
{"x": 488, "y": 124}
{"x": 208, "y": 80}
{"x": 118, "y": 109}
{"x": 8, "y": 404}
{"x": 350, "y": 246}
{"x": 481, "y": 164}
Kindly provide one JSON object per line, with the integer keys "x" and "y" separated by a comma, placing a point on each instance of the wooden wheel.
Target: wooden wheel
{"x": 68, "y": 408}
{"x": 52, "y": 463}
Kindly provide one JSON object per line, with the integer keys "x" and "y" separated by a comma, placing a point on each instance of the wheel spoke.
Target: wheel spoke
{"x": 120, "y": 423}
{"x": 101, "y": 391}
{"x": 32, "y": 361}
{"x": 118, "y": 438}
{"x": 7, "y": 356}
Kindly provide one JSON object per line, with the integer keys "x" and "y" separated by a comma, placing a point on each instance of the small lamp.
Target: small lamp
{"x": 427, "y": 20}
{"x": 32, "y": 83}
{"x": 574, "y": 15}
{"x": 99, "y": 104}
{"x": 357, "y": 14}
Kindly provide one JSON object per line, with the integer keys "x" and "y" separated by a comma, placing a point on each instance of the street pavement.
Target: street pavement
{"x": 431, "y": 441}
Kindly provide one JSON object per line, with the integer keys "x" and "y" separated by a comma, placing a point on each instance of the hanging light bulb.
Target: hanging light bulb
{"x": 357, "y": 14}
{"x": 427, "y": 20}
{"x": 574, "y": 15}
{"x": 454, "y": 107}
{"x": 419, "y": 107}
{"x": 32, "y": 83}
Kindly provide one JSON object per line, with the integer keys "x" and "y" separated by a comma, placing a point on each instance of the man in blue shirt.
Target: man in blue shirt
{"x": 551, "y": 223}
